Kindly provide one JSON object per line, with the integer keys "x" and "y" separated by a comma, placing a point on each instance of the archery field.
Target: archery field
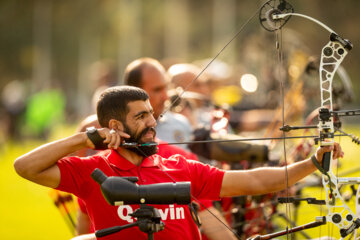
{"x": 27, "y": 210}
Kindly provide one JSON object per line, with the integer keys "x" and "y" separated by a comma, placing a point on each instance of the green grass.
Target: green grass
{"x": 27, "y": 211}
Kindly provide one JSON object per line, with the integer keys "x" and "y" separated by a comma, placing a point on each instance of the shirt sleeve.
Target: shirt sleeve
{"x": 206, "y": 180}
{"x": 75, "y": 176}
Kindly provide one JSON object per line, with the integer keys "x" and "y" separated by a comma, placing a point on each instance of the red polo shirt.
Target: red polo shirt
{"x": 205, "y": 184}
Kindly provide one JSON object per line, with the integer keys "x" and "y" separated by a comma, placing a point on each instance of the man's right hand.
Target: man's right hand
{"x": 111, "y": 137}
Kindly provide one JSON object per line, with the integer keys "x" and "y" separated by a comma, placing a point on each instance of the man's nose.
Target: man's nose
{"x": 151, "y": 122}
{"x": 164, "y": 95}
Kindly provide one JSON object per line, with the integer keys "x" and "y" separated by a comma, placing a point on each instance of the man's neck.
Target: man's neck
{"x": 132, "y": 157}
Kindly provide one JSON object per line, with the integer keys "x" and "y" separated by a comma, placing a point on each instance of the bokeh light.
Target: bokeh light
{"x": 249, "y": 82}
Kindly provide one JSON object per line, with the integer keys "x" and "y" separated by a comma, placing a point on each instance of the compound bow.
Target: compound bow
{"x": 274, "y": 14}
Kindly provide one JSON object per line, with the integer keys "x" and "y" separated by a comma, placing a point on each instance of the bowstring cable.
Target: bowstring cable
{"x": 279, "y": 41}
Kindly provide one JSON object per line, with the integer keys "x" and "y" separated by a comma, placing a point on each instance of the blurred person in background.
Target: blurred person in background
{"x": 192, "y": 93}
{"x": 41, "y": 116}
{"x": 13, "y": 105}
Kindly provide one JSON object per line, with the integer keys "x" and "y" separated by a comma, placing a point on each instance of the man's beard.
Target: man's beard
{"x": 144, "y": 151}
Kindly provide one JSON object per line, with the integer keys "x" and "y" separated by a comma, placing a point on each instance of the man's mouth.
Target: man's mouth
{"x": 150, "y": 134}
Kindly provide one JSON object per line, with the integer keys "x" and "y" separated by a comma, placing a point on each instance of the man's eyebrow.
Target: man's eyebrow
{"x": 159, "y": 88}
{"x": 144, "y": 112}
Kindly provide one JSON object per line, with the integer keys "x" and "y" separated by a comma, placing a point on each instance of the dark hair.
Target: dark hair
{"x": 113, "y": 103}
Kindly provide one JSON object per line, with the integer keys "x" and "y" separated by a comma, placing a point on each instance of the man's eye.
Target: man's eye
{"x": 141, "y": 117}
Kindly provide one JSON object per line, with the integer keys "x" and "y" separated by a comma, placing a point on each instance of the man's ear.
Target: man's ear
{"x": 116, "y": 124}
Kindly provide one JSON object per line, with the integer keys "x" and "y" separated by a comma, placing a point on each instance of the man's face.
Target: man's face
{"x": 140, "y": 125}
{"x": 154, "y": 82}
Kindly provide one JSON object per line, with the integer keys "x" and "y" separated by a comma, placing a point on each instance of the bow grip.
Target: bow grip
{"x": 326, "y": 161}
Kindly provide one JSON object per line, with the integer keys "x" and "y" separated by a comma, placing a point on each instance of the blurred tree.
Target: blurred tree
{"x": 68, "y": 36}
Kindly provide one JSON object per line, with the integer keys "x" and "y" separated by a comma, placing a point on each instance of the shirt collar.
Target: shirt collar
{"x": 123, "y": 164}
